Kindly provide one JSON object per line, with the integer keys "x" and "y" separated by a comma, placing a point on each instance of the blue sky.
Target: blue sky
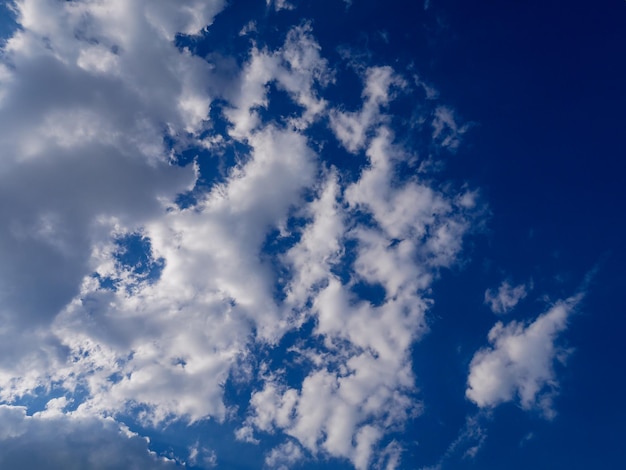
{"x": 298, "y": 234}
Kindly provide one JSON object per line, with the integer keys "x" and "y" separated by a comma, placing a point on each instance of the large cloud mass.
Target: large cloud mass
{"x": 54, "y": 441}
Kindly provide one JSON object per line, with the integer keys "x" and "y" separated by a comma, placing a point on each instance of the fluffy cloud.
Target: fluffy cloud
{"x": 88, "y": 147}
{"x": 505, "y": 298}
{"x": 54, "y": 440}
{"x": 351, "y": 127}
{"x": 190, "y": 325}
{"x": 155, "y": 343}
{"x": 519, "y": 364}
{"x": 294, "y": 68}
{"x": 361, "y": 384}
{"x": 282, "y": 240}
{"x": 90, "y": 91}
{"x": 284, "y": 456}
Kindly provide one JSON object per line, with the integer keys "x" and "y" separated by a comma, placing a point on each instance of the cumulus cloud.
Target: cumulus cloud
{"x": 284, "y": 239}
{"x": 189, "y": 326}
{"x": 201, "y": 456}
{"x": 294, "y": 68}
{"x": 352, "y": 127}
{"x": 54, "y": 440}
{"x": 90, "y": 92}
{"x": 519, "y": 364}
{"x": 89, "y": 145}
{"x": 505, "y": 298}
{"x": 361, "y": 384}
{"x": 284, "y": 456}
{"x": 72, "y": 191}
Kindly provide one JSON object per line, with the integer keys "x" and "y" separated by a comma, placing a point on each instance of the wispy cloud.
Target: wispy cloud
{"x": 505, "y": 298}
{"x": 469, "y": 441}
{"x": 447, "y": 130}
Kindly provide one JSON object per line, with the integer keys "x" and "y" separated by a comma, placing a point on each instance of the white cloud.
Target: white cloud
{"x": 352, "y": 127}
{"x": 505, "y": 298}
{"x": 361, "y": 384}
{"x": 284, "y": 456}
{"x": 430, "y": 91}
{"x": 89, "y": 90}
{"x": 85, "y": 174}
{"x": 446, "y": 129}
{"x": 88, "y": 144}
{"x": 57, "y": 441}
{"x": 249, "y": 27}
{"x": 280, "y": 4}
{"x": 471, "y": 438}
{"x": 519, "y": 364}
{"x": 390, "y": 456}
{"x": 189, "y": 327}
{"x": 295, "y": 68}
{"x": 320, "y": 245}
{"x": 201, "y": 456}
{"x": 88, "y": 162}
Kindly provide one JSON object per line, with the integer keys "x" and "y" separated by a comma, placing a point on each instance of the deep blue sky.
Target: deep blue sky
{"x": 544, "y": 81}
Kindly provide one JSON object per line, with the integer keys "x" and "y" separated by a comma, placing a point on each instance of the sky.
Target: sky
{"x": 297, "y": 234}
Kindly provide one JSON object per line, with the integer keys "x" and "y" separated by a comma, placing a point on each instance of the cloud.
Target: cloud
{"x": 54, "y": 440}
{"x": 505, "y": 298}
{"x": 84, "y": 152}
{"x": 519, "y": 364}
{"x": 446, "y": 129}
{"x": 73, "y": 192}
{"x": 205, "y": 458}
{"x": 249, "y": 28}
{"x": 469, "y": 441}
{"x": 280, "y": 4}
{"x": 284, "y": 456}
{"x": 321, "y": 243}
{"x": 284, "y": 239}
{"x": 361, "y": 383}
{"x": 89, "y": 145}
{"x": 189, "y": 326}
{"x": 295, "y": 68}
{"x": 352, "y": 127}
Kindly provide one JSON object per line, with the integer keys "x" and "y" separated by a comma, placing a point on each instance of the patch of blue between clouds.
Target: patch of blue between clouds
{"x": 134, "y": 256}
